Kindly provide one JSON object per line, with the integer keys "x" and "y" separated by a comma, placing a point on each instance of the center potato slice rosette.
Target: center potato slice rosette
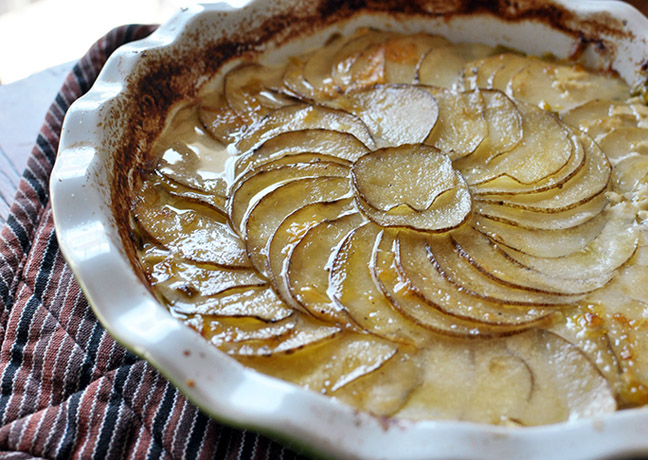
{"x": 410, "y": 225}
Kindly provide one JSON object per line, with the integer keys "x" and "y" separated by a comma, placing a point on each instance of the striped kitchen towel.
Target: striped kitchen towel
{"x": 67, "y": 389}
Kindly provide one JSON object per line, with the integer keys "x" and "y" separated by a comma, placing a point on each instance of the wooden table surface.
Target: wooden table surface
{"x": 41, "y": 89}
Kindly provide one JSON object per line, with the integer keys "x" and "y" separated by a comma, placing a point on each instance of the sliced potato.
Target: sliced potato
{"x": 436, "y": 292}
{"x": 403, "y": 53}
{"x": 298, "y": 117}
{"x": 264, "y": 217}
{"x": 318, "y": 67}
{"x": 352, "y": 286}
{"x": 217, "y": 202}
{"x": 630, "y": 174}
{"x": 510, "y": 64}
{"x": 200, "y": 236}
{"x": 294, "y": 81}
{"x": 622, "y": 142}
{"x": 290, "y": 231}
{"x": 332, "y": 144}
{"x": 479, "y": 73}
{"x": 220, "y": 120}
{"x": 461, "y": 126}
{"x": 395, "y": 114}
{"x": 600, "y": 117}
{"x": 440, "y": 66}
{"x": 307, "y": 272}
{"x": 360, "y": 63}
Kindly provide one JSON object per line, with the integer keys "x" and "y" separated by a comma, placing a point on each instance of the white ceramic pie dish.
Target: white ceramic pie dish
{"x": 105, "y": 139}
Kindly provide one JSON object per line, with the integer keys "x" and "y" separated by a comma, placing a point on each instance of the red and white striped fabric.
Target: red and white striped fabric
{"x": 67, "y": 389}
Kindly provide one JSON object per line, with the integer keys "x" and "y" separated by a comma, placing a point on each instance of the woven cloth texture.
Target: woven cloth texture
{"x": 67, "y": 389}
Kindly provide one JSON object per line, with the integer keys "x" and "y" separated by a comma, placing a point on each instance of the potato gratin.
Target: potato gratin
{"x": 421, "y": 229}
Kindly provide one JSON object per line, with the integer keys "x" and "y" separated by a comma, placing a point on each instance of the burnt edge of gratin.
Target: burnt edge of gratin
{"x": 174, "y": 74}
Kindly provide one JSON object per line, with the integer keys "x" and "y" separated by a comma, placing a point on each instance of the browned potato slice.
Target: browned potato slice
{"x": 352, "y": 286}
{"x": 299, "y": 117}
{"x": 254, "y": 301}
{"x": 291, "y": 230}
{"x": 202, "y": 237}
{"x": 220, "y": 120}
{"x": 395, "y": 114}
{"x": 624, "y": 141}
{"x": 331, "y": 144}
{"x": 608, "y": 251}
{"x": 271, "y": 340}
{"x": 328, "y": 366}
{"x": 318, "y": 67}
{"x": 307, "y": 272}
{"x": 510, "y": 65}
{"x": 591, "y": 180}
{"x": 360, "y": 63}
{"x": 217, "y": 202}
{"x": 442, "y": 65}
{"x": 385, "y": 390}
{"x": 542, "y": 242}
{"x": 518, "y": 217}
{"x": 436, "y": 292}
{"x": 411, "y": 186}
{"x": 547, "y": 380}
{"x": 403, "y": 53}
{"x": 461, "y": 126}
{"x": 294, "y": 81}
{"x": 458, "y": 271}
{"x": 504, "y": 123}
{"x": 405, "y": 299}
{"x": 545, "y": 149}
{"x": 253, "y": 90}
{"x": 264, "y": 217}
{"x": 486, "y": 257}
{"x": 562, "y": 87}
{"x": 479, "y": 73}
{"x": 248, "y": 188}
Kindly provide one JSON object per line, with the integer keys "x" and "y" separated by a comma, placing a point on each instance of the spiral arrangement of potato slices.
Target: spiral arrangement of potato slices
{"x": 421, "y": 229}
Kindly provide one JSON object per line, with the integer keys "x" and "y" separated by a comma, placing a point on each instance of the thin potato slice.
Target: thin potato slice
{"x": 328, "y": 366}
{"x": 307, "y": 273}
{"x": 563, "y": 87}
{"x": 352, "y": 286}
{"x": 264, "y": 217}
{"x": 318, "y": 67}
{"x": 290, "y": 231}
{"x": 253, "y": 301}
{"x": 542, "y": 242}
{"x": 441, "y": 66}
{"x": 294, "y": 81}
{"x": 510, "y": 65}
{"x": 438, "y": 293}
{"x": 217, "y": 202}
{"x": 397, "y": 289}
{"x": 615, "y": 244}
{"x": 395, "y": 114}
{"x": 630, "y": 174}
{"x": 220, "y": 120}
{"x": 250, "y": 187}
{"x": 253, "y": 90}
{"x": 403, "y": 53}
{"x": 299, "y": 117}
{"x": 541, "y": 220}
{"x": 479, "y": 73}
{"x": 231, "y": 334}
{"x": 333, "y": 144}
{"x": 600, "y": 117}
{"x": 543, "y": 151}
{"x": 461, "y": 126}
{"x": 486, "y": 257}
{"x": 547, "y": 380}
{"x": 458, "y": 271}
{"x": 197, "y": 236}
{"x": 622, "y": 142}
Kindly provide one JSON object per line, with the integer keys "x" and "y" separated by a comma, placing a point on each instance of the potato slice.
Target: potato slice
{"x": 545, "y": 149}
{"x": 175, "y": 189}
{"x": 307, "y": 272}
{"x": 318, "y": 67}
{"x": 407, "y": 301}
{"x": 622, "y": 142}
{"x": 220, "y": 120}
{"x": 253, "y": 301}
{"x": 264, "y": 217}
{"x": 327, "y": 366}
{"x": 200, "y": 236}
{"x": 518, "y": 217}
{"x": 294, "y": 81}
{"x": 403, "y": 53}
{"x": 288, "y": 234}
{"x": 330, "y": 144}
{"x": 479, "y": 73}
{"x": 461, "y": 126}
{"x": 600, "y": 117}
{"x": 352, "y": 286}
{"x": 395, "y": 114}
{"x": 630, "y": 174}
{"x": 298, "y": 117}
{"x": 437, "y": 293}
{"x": 248, "y": 189}
{"x": 385, "y": 390}
{"x": 510, "y": 65}
{"x": 548, "y": 380}
{"x": 441, "y": 65}
{"x": 542, "y": 242}
{"x": 253, "y": 90}
{"x": 562, "y": 87}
